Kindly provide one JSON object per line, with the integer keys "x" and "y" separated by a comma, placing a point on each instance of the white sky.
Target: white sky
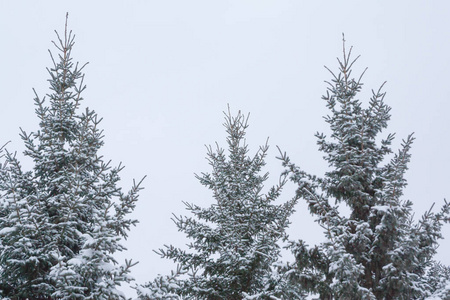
{"x": 160, "y": 73}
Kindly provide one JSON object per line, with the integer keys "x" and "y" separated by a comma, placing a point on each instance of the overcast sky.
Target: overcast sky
{"x": 160, "y": 73}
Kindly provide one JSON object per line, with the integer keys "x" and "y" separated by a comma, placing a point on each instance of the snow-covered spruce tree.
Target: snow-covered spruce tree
{"x": 439, "y": 280}
{"x": 62, "y": 221}
{"x": 235, "y": 242}
{"x": 377, "y": 251}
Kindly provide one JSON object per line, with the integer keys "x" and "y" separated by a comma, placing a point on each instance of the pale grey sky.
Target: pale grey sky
{"x": 160, "y": 73}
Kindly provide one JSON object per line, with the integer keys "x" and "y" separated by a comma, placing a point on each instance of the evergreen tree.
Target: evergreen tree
{"x": 62, "y": 221}
{"x": 439, "y": 281}
{"x": 235, "y": 245}
{"x": 377, "y": 251}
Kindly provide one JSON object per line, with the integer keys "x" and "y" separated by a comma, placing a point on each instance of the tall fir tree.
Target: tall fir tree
{"x": 236, "y": 241}
{"x": 377, "y": 251}
{"x": 62, "y": 221}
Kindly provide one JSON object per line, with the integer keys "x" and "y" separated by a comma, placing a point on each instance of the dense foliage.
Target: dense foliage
{"x": 377, "y": 251}
{"x": 235, "y": 247}
{"x": 62, "y": 221}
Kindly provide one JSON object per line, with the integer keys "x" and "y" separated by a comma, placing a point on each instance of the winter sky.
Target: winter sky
{"x": 160, "y": 74}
